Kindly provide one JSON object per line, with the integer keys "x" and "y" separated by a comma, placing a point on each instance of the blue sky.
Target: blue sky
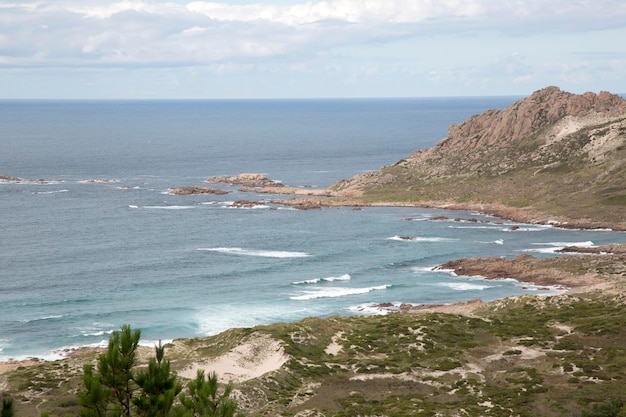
{"x": 307, "y": 48}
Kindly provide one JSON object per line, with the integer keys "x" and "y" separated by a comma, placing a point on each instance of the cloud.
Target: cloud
{"x": 149, "y": 32}
{"x": 350, "y": 11}
{"x": 377, "y": 44}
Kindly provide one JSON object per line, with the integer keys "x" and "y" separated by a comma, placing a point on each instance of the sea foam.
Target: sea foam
{"x": 464, "y": 286}
{"x": 336, "y": 292}
{"x": 552, "y": 247}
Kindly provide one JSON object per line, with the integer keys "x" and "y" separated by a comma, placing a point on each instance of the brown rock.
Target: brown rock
{"x": 7, "y": 178}
{"x": 246, "y": 180}
{"x": 439, "y": 218}
{"x": 196, "y": 189}
{"x": 246, "y": 204}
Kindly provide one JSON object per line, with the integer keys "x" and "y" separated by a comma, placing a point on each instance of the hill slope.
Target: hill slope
{"x": 554, "y": 152}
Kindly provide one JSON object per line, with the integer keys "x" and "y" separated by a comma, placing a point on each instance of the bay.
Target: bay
{"x": 101, "y": 243}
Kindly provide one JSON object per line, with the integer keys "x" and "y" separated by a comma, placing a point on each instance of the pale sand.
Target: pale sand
{"x": 334, "y": 348}
{"x": 12, "y": 365}
{"x": 258, "y": 355}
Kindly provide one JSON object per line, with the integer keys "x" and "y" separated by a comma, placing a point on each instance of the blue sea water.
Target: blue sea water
{"x": 101, "y": 243}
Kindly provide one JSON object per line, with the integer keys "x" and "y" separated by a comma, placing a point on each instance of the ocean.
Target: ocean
{"x": 93, "y": 240}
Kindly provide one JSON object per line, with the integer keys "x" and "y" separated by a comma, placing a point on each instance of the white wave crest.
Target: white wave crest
{"x": 43, "y": 318}
{"x": 552, "y": 247}
{"x": 52, "y": 192}
{"x": 97, "y": 333}
{"x": 256, "y": 252}
{"x": 420, "y": 269}
{"x": 336, "y": 292}
{"x": 369, "y": 310}
{"x": 497, "y": 242}
{"x": 464, "y": 286}
{"x": 586, "y": 244}
{"x": 344, "y": 277}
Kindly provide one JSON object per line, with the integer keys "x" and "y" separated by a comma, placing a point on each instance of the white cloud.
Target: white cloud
{"x": 350, "y": 11}
{"x": 436, "y": 41}
{"x": 146, "y": 32}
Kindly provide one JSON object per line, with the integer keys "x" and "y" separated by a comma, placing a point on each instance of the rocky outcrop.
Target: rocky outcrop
{"x": 196, "y": 189}
{"x": 524, "y": 268}
{"x": 246, "y": 180}
{"x": 7, "y": 178}
{"x": 540, "y": 129}
{"x": 246, "y": 204}
{"x": 544, "y": 107}
{"x": 16, "y": 180}
{"x": 554, "y": 152}
{"x": 302, "y": 203}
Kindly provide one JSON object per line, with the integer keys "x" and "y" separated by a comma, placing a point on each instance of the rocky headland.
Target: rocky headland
{"x": 553, "y": 157}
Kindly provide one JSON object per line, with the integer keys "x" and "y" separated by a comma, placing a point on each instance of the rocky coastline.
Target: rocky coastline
{"x": 597, "y": 273}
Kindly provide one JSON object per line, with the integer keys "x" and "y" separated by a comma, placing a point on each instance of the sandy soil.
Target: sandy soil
{"x": 12, "y": 365}
{"x": 258, "y": 355}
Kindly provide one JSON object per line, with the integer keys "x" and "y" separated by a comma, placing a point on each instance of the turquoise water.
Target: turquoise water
{"x": 101, "y": 243}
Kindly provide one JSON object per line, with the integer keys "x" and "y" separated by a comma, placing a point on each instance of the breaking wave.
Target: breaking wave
{"x": 336, "y": 292}
{"x": 552, "y": 247}
{"x": 465, "y": 286}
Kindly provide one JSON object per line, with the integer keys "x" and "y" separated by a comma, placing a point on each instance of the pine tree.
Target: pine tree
{"x": 95, "y": 399}
{"x": 159, "y": 387}
{"x": 116, "y": 367}
{"x": 204, "y": 399}
{"x": 109, "y": 393}
{"x": 7, "y": 407}
{"x": 118, "y": 390}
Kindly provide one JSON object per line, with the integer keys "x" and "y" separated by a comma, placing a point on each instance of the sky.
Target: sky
{"x": 176, "y": 49}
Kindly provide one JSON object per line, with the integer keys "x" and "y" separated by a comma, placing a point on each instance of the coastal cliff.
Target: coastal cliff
{"x": 557, "y": 155}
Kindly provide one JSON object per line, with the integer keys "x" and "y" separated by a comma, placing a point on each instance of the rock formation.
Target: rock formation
{"x": 555, "y": 152}
{"x": 246, "y": 180}
{"x": 196, "y": 189}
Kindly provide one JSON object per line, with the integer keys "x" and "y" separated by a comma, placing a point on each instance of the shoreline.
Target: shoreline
{"x": 549, "y": 273}
{"x": 522, "y": 269}
{"x": 314, "y": 198}
{"x": 325, "y": 198}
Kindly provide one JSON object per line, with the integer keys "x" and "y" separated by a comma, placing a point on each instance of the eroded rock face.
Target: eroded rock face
{"x": 246, "y": 180}
{"x": 538, "y": 130}
{"x": 542, "y": 108}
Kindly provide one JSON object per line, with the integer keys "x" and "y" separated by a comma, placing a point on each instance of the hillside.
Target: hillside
{"x": 559, "y": 156}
